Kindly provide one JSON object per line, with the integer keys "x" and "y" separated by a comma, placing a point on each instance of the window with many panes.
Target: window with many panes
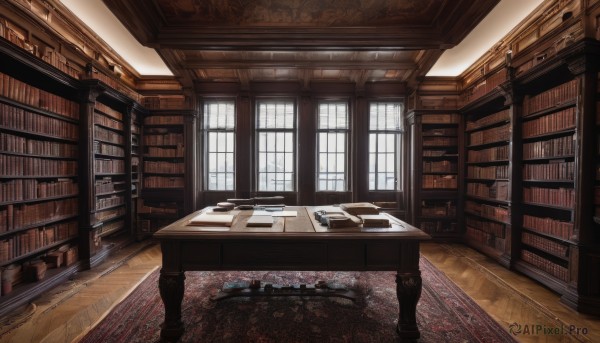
{"x": 275, "y": 132}
{"x": 219, "y": 133}
{"x": 332, "y": 144}
{"x": 385, "y": 128}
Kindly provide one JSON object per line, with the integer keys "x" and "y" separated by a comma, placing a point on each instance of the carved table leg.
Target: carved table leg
{"x": 408, "y": 289}
{"x": 171, "y": 286}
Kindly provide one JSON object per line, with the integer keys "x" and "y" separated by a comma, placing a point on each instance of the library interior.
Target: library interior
{"x": 163, "y": 139}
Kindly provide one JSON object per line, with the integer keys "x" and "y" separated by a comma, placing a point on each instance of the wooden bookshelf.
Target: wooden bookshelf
{"x": 487, "y": 207}
{"x": 111, "y": 170}
{"x": 163, "y": 171}
{"x": 435, "y": 162}
{"x": 39, "y": 186}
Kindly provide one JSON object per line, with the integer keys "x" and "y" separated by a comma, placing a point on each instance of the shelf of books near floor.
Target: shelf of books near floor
{"x": 39, "y": 183}
{"x": 436, "y": 159}
{"x": 163, "y": 179}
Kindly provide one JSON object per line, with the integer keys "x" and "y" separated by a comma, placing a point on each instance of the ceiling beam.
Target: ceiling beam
{"x": 297, "y": 64}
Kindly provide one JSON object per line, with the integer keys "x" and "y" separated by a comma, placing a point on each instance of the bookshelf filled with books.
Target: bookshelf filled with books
{"x": 435, "y": 164}
{"x": 39, "y": 183}
{"x": 109, "y": 167}
{"x": 163, "y": 170}
{"x": 487, "y": 201}
{"x": 558, "y": 238}
{"x": 549, "y": 145}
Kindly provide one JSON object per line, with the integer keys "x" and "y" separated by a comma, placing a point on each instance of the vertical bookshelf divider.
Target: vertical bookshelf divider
{"x": 134, "y": 164}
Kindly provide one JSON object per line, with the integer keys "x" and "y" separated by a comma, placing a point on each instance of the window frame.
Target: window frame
{"x": 347, "y": 145}
{"x": 206, "y": 145}
{"x": 399, "y": 158}
{"x": 257, "y": 136}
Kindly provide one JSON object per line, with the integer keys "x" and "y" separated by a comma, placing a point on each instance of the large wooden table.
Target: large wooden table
{"x": 292, "y": 243}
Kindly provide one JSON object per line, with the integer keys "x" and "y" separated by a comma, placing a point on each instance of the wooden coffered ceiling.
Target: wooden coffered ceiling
{"x": 300, "y": 40}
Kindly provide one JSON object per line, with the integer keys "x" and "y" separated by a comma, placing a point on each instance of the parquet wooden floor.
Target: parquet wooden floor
{"x": 69, "y": 311}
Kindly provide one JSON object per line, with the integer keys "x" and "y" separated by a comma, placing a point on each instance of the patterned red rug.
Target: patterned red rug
{"x": 445, "y": 313}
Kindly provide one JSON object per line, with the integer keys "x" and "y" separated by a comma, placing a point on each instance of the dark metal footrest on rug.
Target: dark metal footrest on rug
{"x": 258, "y": 288}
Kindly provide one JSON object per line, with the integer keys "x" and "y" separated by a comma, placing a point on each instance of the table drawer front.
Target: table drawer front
{"x": 270, "y": 255}
{"x": 382, "y": 255}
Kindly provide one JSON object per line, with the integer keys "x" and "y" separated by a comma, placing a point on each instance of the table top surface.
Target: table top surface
{"x": 294, "y": 222}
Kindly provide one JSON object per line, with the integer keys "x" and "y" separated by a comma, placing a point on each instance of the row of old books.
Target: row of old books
{"x": 164, "y": 120}
{"x": 555, "y": 122}
{"x": 14, "y": 165}
{"x": 440, "y": 166}
{"x": 22, "y": 145}
{"x": 108, "y": 136}
{"x": 562, "y": 197}
{"x": 488, "y": 211}
{"x": 432, "y": 208}
{"x": 108, "y": 149}
{"x": 488, "y": 155}
{"x": 487, "y": 85}
{"x": 439, "y": 153}
{"x": 108, "y": 228}
{"x": 103, "y": 120}
{"x": 20, "y": 119}
{"x": 164, "y": 167}
{"x": 35, "y": 269}
{"x": 497, "y": 117}
{"x": 165, "y": 152}
{"x": 441, "y": 131}
{"x": 106, "y": 185}
{"x": 163, "y": 182}
{"x": 164, "y": 103}
{"x": 492, "y": 172}
{"x": 112, "y": 201}
{"x": 439, "y": 181}
{"x": 34, "y": 239}
{"x": 496, "y": 134}
{"x": 26, "y": 94}
{"x": 105, "y": 215}
{"x": 449, "y": 118}
{"x": 544, "y": 244}
{"x": 493, "y": 228}
{"x": 32, "y": 189}
{"x": 163, "y": 208}
{"x": 107, "y": 166}
{"x": 18, "y": 37}
{"x": 485, "y": 239}
{"x": 18, "y": 216}
{"x": 546, "y": 265}
{"x": 163, "y": 139}
{"x": 556, "y": 147}
{"x": 108, "y": 111}
{"x": 439, "y": 141}
{"x": 113, "y": 83}
{"x": 498, "y": 190}
{"x": 554, "y": 170}
{"x": 556, "y": 96}
{"x": 550, "y": 226}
